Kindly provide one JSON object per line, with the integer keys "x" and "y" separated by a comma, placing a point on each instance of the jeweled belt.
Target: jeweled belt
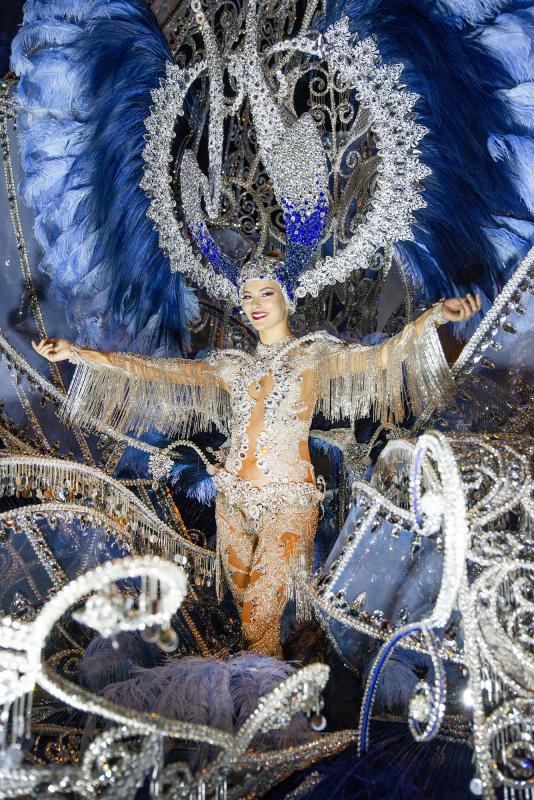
{"x": 253, "y": 501}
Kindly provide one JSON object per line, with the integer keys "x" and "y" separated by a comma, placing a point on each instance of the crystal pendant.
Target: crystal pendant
{"x": 167, "y": 640}
{"x": 151, "y": 633}
{"x": 420, "y": 704}
{"x": 318, "y": 722}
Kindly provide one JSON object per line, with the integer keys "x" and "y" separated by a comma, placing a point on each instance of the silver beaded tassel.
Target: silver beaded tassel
{"x": 15, "y": 723}
{"x": 364, "y": 380}
{"x": 109, "y": 396}
{"x": 295, "y": 585}
{"x": 78, "y": 488}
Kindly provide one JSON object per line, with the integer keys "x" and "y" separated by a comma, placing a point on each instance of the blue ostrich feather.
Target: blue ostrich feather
{"x": 190, "y": 475}
{"x": 320, "y": 446}
{"x": 476, "y": 101}
{"x": 86, "y": 72}
{"x": 397, "y": 768}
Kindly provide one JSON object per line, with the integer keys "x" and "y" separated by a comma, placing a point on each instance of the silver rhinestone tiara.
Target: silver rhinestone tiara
{"x": 268, "y": 268}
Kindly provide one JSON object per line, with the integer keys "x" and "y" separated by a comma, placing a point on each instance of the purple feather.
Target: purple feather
{"x": 213, "y": 692}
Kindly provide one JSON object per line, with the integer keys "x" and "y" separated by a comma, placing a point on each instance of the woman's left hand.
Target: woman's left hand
{"x": 459, "y": 309}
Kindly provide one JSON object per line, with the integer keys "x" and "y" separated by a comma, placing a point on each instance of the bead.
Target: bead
{"x": 167, "y": 640}
{"x": 150, "y": 633}
{"x": 318, "y": 722}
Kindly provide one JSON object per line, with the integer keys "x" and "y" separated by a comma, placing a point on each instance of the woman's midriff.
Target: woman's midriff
{"x": 300, "y": 469}
{"x": 251, "y": 472}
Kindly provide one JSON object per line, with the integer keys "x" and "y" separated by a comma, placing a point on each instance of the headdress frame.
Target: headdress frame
{"x": 397, "y": 191}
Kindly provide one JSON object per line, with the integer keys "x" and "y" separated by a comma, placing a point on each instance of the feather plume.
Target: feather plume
{"x": 102, "y": 664}
{"x": 475, "y": 100}
{"x": 396, "y": 768}
{"x": 209, "y": 691}
{"x": 86, "y": 72}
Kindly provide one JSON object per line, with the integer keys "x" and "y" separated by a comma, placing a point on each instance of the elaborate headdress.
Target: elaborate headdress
{"x": 290, "y": 181}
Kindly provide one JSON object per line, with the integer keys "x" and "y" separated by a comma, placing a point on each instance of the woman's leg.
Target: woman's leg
{"x": 285, "y": 537}
{"x": 235, "y": 546}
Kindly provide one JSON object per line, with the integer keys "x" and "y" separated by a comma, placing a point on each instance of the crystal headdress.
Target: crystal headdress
{"x": 297, "y": 189}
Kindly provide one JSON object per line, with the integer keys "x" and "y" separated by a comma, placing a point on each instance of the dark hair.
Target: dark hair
{"x": 274, "y": 252}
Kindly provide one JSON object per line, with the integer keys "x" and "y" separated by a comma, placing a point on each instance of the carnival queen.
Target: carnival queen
{"x": 267, "y": 498}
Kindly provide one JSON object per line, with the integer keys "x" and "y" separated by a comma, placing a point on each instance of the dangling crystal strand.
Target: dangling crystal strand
{"x": 317, "y": 700}
{"x": 497, "y": 689}
{"x": 143, "y": 595}
{"x": 19, "y": 723}
{"x": 149, "y": 595}
{"x": 4, "y": 722}
{"x": 489, "y": 684}
{"x": 11, "y": 716}
{"x": 14, "y": 721}
{"x": 28, "y": 717}
{"x": 61, "y": 479}
{"x": 153, "y": 589}
{"x": 221, "y": 791}
{"x": 155, "y": 784}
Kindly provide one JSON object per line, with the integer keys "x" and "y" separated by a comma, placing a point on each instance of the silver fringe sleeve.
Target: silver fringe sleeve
{"x": 408, "y": 369}
{"x": 134, "y": 393}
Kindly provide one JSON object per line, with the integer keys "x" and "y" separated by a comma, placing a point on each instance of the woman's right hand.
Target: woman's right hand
{"x": 53, "y": 349}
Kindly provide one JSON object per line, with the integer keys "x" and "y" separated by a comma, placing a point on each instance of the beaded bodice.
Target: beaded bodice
{"x": 271, "y": 400}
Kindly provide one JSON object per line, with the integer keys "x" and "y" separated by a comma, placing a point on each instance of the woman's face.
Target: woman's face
{"x": 264, "y": 304}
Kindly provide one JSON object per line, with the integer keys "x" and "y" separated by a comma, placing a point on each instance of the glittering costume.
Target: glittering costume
{"x": 267, "y": 505}
{"x": 267, "y": 498}
{"x": 260, "y": 555}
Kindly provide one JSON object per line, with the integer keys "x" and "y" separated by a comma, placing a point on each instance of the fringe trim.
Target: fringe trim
{"x": 296, "y": 582}
{"x": 101, "y": 395}
{"x": 352, "y": 381}
{"x": 53, "y": 481}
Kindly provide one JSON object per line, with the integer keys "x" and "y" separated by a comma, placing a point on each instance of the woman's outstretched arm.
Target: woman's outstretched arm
{"x": 454, "y": 309}
{"x": 354, "y": 380}
{"x": 192, "y": 372}
{"x": 135, "y": 393}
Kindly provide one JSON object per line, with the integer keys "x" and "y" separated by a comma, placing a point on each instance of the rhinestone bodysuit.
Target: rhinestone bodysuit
{"x": 266, "y": 401}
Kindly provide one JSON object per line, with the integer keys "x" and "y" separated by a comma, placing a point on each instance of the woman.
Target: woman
{"x": 267, "y": 500}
